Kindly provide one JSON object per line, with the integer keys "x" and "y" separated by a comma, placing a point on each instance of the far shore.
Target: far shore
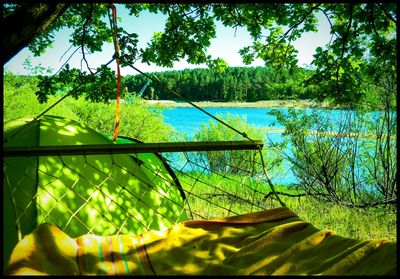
{"x": 258, "y": 104}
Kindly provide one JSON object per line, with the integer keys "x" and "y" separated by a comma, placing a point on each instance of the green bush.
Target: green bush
{"x": 346, "y": 160}
{"x": 136, "y": 119}
{"x": 240, "y": 162}
{"x": 20, "y": 99}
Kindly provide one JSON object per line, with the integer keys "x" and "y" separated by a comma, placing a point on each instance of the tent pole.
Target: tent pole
{"x": 96, "y": 149}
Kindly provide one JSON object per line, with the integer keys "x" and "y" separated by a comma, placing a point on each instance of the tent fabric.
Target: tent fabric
{"x": 271, "y": 242}
{"x": 100, "y": 194}
{"x": 154, "y": 162}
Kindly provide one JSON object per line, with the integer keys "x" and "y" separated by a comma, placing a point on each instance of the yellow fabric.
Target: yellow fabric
{"x": 274, "y": 242}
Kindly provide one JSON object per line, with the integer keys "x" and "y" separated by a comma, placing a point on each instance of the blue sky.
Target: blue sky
{"x": 226, "y": 46}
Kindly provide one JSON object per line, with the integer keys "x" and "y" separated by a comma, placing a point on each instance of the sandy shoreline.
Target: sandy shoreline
{"x": 259, "y": 104}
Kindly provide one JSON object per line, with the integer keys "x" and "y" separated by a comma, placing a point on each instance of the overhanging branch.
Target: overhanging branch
{"x": 25, "y": 23}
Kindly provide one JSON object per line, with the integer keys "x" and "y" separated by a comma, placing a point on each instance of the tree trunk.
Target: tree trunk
{"x": 25, "y": 23}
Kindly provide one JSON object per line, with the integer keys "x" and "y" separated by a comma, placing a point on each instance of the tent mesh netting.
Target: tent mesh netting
{"x": 118, "y": 193}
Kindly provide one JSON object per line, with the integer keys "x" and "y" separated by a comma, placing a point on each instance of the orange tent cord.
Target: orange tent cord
{"x": 117, "y": 53}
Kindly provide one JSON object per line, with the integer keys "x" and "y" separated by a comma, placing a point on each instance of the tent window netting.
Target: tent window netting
{"x": 61, "y": 172}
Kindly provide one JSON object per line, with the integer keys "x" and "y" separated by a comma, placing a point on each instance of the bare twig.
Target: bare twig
{"x": 69, "y": 58}
{"x": 330, "y": 23}
{"x": 83, "y": 37}
{"x": 65, "y": 52}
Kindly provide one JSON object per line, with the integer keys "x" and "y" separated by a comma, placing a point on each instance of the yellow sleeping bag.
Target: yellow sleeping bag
{"x": 269, "y": 242}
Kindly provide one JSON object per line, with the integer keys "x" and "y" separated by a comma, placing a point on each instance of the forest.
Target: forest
{"x": 235, "y": 84}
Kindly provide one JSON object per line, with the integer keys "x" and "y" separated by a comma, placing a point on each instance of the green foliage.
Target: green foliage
{"x": 186, "y": 35}
{"x": 240, "y": 84}
{"x": 136, "y": 119}
{"x": 361, "y": 52}
{"x": 128, "y": 46}
{"x": 89, "y": 23}
{"x": 36, "y": 70}
{"x": 234, "y": 161}
{"x": 346, "y": 161}
{"x": 98, "y": 88}
{"x": 20, "y": 100}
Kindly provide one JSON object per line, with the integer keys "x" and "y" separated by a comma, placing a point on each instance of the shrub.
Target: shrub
{"x": 136, "y": 119}
{"x": 345, "y": 161}
{"x": 241, "y": 162}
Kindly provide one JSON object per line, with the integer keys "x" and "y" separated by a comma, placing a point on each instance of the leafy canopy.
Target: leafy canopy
{"x": 362, "y": 49}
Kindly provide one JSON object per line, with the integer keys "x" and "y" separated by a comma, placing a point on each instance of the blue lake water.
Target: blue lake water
{"x": 188, "y": 120}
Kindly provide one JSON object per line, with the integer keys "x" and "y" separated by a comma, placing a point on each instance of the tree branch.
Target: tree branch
{"x": 330, "y": 23}
{"x": 291, "y": 29}
{"x": 237, "y": 19}
{"x": 301, "y": 21}
{"x": 26, "y": 23}
{"x": 346, "y": 35}
{"x": 373, "y": 20}
{"x": 386, "y": 13}
{"x": 83, "y": 37}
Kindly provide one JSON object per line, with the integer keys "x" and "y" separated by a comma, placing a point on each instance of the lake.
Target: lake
{"x": 188, "y": 120}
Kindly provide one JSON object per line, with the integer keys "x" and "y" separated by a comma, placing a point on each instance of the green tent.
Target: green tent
{"x": 101, "y": 194}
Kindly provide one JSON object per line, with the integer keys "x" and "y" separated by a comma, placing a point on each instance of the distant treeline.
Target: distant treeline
{"x": 235, "y": 84}
{"x": 242, "y": 84}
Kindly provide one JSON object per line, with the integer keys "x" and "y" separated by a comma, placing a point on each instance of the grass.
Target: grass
{"x": 212, "y": 196}
{"x": 356, "y": 223}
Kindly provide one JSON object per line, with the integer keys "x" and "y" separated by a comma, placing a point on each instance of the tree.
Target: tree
{"x": 26, "y": 21}
{"x": 363, "y": 34}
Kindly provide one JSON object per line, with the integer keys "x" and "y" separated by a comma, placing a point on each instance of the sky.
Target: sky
{"x": 226, "y": 45}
